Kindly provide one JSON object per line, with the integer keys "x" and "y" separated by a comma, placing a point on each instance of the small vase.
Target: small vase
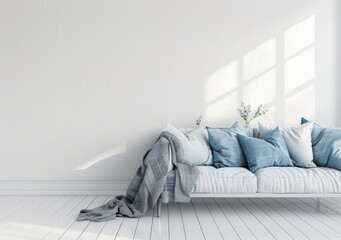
{"x": 248, "y": 129}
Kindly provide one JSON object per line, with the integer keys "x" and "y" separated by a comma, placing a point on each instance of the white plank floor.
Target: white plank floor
{"x": 53, "y": 217}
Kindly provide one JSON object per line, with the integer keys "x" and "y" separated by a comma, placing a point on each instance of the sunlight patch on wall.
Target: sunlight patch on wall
{"x": 259, "y": 60}
{"x": 279, "y": 73}
{"x": 301, "y": 104}
{"x": 300, "y": 36}
{"x": 120, "y": 148}
{"x": 221, "y": 96}
{"x": 261, "y": 90}
{"x": 300, "y": 69}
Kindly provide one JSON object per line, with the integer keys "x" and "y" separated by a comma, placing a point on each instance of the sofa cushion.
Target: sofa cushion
{"x": 225, "y": 146}
{"x": 298, "y": 180}
{"x": 225, "y": 180}
{"x": 326, "y": 146}
{"x": 267, "y": 152}
{"x": 194, "y": 143}
{"x": 298, "y": 141}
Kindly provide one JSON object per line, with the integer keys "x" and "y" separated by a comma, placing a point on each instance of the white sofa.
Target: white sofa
{"x": 270, "y": 180}
{"x": 230, "y": 182}
{"x": 239, "y": 182}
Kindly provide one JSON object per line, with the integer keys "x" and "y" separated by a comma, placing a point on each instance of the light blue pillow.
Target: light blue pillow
{"x": 225, "y": 146}
{"x": 326, "y": 146}
{"x": 266, "y": 152}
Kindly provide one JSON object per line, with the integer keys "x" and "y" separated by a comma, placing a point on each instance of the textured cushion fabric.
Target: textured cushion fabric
{"x": 225, "y": 180}
{"x": 215, "y": 180}
{"x": 298, "y": 180}
{"x": 297, "y": 140}
{"x": 266, "y": 152}
{"x": 225, "y": 146}
{"x": 194, "y": 144}
{"x": 326, "y": 146}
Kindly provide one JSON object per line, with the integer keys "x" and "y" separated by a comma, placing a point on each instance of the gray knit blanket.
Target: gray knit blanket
{"x": 148, "y": 183}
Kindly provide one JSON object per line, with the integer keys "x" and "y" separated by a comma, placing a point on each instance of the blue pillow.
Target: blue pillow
{"x": 326, "y": 144}
{"x": 303, "y": 120}
{"x": 266, "y": 152}
{"x": 225, "y": 146}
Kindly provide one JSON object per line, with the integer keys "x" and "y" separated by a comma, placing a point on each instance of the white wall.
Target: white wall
{"x": 338, "y": 61}
{"x": 86, "y": 86}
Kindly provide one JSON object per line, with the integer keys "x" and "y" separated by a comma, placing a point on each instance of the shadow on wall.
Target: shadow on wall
{"x": 279, "y": 73}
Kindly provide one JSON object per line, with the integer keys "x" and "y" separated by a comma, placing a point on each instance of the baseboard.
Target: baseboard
{"x": 63, "y": 188}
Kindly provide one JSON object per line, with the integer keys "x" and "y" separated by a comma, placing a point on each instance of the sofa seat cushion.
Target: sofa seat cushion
{"x": 298, "y": 180}
{"x": 225, "y": 180}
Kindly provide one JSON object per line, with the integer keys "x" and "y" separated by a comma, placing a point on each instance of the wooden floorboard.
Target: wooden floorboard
{"x": 144, "y": 226}
{"x": 273, "y": 227}
{"x": 93, "y": 229}
{"x": 286, "y": 225}
{"x": 160, "y": 227}
{"x": 256, "y": 227}
{"x": 23, "y": 213}
{"x": 309, "y": 231}
{"x": 310, "y": 219}
{"x": 191, "y": 222}
{"x": 175, "y": 222}
{"x": 320, "y": 215}
{"x": 225, "y": 227}
{"x": 10, "y": 205}
{"x": 41, "y": 218}
{"x": 60, "y": 215}
{"x": 64, "y": 224}
{"x": 110, "y": 229}
{"x": 208, "y": 225}
{"x": 54, "y": 217}
{"x": 237, "y": 222}
{"x": 77, "y": 228}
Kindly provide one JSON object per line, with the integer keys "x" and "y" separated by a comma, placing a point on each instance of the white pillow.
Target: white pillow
{"x": 298, "y": 141}
{"x": 195, "y": 145}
